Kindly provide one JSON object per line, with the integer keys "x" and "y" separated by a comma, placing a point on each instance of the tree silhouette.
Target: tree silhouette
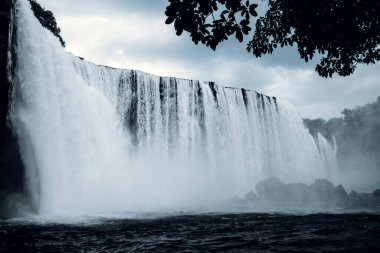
{"x": 343, "y": 33}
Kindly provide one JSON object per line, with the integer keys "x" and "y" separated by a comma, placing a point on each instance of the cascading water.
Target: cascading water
{"x": 98, "y": 139}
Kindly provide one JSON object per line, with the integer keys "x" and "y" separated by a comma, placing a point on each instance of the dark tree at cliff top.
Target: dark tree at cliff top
{"x": 343, "y": 33}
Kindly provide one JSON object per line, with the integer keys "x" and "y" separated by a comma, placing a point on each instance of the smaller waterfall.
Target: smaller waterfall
{"x": 98, "y": 139}
{"x": 72, "y": 142}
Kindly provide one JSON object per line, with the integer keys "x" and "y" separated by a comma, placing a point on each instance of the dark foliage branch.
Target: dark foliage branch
{"x": 211, "y": 22}
{"x": 344, "y": 33}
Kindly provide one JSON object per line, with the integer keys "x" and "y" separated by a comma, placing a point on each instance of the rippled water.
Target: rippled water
{"x": 207, "y": 232}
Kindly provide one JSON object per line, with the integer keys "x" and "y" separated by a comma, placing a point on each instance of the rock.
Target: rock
{"x": 251, "y": 197}
{"x": 252, "y": 200}
{"x": 323, "y": 189}
{"x": 47, "y": 20}
{"x": 271, "y": 189}
{"x": 353, "y": 194}
{"x": 340, "y": 196}
{"x": 340, "y": 192}
{"x": 12, "y": 171}
{"x": 376, "y": 193}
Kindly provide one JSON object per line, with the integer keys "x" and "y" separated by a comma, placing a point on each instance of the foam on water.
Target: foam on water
{"x": 98, "y": 139}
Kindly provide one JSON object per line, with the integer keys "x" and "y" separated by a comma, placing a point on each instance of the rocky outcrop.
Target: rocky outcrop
{"x": 11, "y": 167}
{"x": 353, "y": 194}
{"x": 321, "y": 193}
{"x": 47, "y": 20}
{"x": 12, "y": 171}
{"x": 273, "y": 194}
{"x": 340, "y": 192}
{"x": 323, "y": 189}
{"x": 271, "y": 189}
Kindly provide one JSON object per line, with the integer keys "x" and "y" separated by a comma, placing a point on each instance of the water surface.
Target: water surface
{"x": 248, "y": 232}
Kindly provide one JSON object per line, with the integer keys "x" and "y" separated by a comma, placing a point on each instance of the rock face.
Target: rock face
{"x": 376, "y": 193}
{"x": 11, "y": 167}
{"x": 47, "y": 20}
{"x": 12, "y": 172}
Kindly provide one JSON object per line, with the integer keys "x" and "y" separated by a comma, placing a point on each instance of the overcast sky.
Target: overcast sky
{"x": 132, "y": 34}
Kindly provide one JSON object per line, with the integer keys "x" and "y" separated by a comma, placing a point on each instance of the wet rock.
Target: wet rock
{"x": 251, "y": 201}
{"x": 340, "y": 192}
{"x": 323, "y": 189}
{"x": 340, "y": 196}
{"x": 47, "y": 20}
{"x": 251, "y": 198}
{"x": 12, "y": 173}
{"x": 271, "y": 189}
{"x": 376, "y": 193}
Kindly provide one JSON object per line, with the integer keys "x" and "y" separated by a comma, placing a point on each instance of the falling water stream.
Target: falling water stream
{"x": 99, "y": 139}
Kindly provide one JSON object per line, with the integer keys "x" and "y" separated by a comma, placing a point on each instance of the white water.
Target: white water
{"x": 97, "y": 139}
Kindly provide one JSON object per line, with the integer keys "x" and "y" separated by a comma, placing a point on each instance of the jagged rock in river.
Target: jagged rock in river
{"x": 47, "y": 20}
{"x": 252, "y": 198}
{"x": 323, "y": 188}
{"x": 340, "y": 192}
{"x": 320, "y": 193}
{"x": 271, "y": 189}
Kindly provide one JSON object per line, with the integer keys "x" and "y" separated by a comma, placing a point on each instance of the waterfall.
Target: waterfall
{"x": 99, "y": 139}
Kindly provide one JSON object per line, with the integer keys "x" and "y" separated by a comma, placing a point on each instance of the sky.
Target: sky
{"x": 132, "y": 34}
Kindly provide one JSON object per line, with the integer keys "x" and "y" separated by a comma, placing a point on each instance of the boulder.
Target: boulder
{"x": 340, "y": 196}
{"x": 251, "y": 197}
{"x": 271, "y": 189}
{"x": 376, "y": 193}
{"x": 47, "y": 20}
{"x": 323, "y": 189}
{"x": 340, "y": 192}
